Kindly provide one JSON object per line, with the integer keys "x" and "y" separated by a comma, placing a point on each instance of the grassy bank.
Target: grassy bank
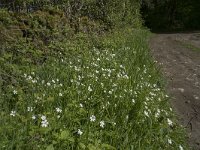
{"x": 105, "y": 95}
{"x": 93, "y": 88}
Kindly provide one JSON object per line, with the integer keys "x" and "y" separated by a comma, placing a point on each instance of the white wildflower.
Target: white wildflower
{"x": 180, "y": 147}
{"x": 102, "y": 124}
{"x": 126, "y": 77}
{"x": 25, "y": 75}
{"x": 79, "y": 132}
{"x": 34, "y": 81}
{"x": 33, "y": 117}
{"x": 44, "y": 123}
{"x": 29, "y": 77}
{"x": 30, "y": 109}
{"x": 169, "y": 122}
{"x": 58, "y": 110}
{"x": 43, "y": 117}
{"x": 169, "y": 141}
{"x": 60, "y": 94}
{"x": 157, "y": 115}
{"x": 114, "y": 123}
{"x": 92, "y": 118}
{"x": 89, "y": 89}
{"x": 81, "y": 105}
{"x": 13, "y": 113}
{"x": 14, "y": 92}
{"x": 146, "y": 113}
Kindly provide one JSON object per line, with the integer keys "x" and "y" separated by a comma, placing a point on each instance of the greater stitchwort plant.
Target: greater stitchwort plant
{"x": 103, "y": 97}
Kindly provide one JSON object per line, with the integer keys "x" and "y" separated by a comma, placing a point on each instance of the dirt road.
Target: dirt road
{"x": 179, "y": 57}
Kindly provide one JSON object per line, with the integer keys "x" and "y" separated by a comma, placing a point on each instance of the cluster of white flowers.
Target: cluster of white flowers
{"x": 13, "y": 113}
{"x": 31, "y": 77}
{"x": 157, "y": 113}
{"x": 30, "y": 109}
{"x": 34, "y": 79}
{"x": 44, "y": 122}
{"x": 58, "y": 110}
{"x": 111, "y": 78}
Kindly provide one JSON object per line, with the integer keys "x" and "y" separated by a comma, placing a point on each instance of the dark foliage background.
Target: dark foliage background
{"x": 171, "y": 14}
{"x": 109, "y": 12}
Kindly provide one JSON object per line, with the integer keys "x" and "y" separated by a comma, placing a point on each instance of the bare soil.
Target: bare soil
{"x": 180, "y": 66}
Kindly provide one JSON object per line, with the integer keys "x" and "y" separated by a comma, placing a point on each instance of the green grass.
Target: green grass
{"x": 106, "y": 95}
{"x": 188, "y": 45}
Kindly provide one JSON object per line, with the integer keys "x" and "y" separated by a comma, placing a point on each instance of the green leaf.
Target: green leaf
{"x": 64, "y": 135}
{"x": 71, "y": 139}
{"x": 50, "y": 99}
{"x": 107, "y": 147}
{"x": 82, "y": 146}
{"x": 50, "y": 147}
{"x": 92, "y": 147}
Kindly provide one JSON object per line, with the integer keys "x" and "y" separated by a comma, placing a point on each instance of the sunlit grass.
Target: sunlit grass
{"x": 107, "y": 97}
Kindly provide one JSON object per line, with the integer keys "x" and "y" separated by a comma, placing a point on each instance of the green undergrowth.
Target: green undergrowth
{"x": 108, "y": 95}
{"x": 85, "y": 91}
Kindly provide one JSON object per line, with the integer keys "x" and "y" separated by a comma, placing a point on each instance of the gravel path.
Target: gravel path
{"x": 179, "y": 57}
